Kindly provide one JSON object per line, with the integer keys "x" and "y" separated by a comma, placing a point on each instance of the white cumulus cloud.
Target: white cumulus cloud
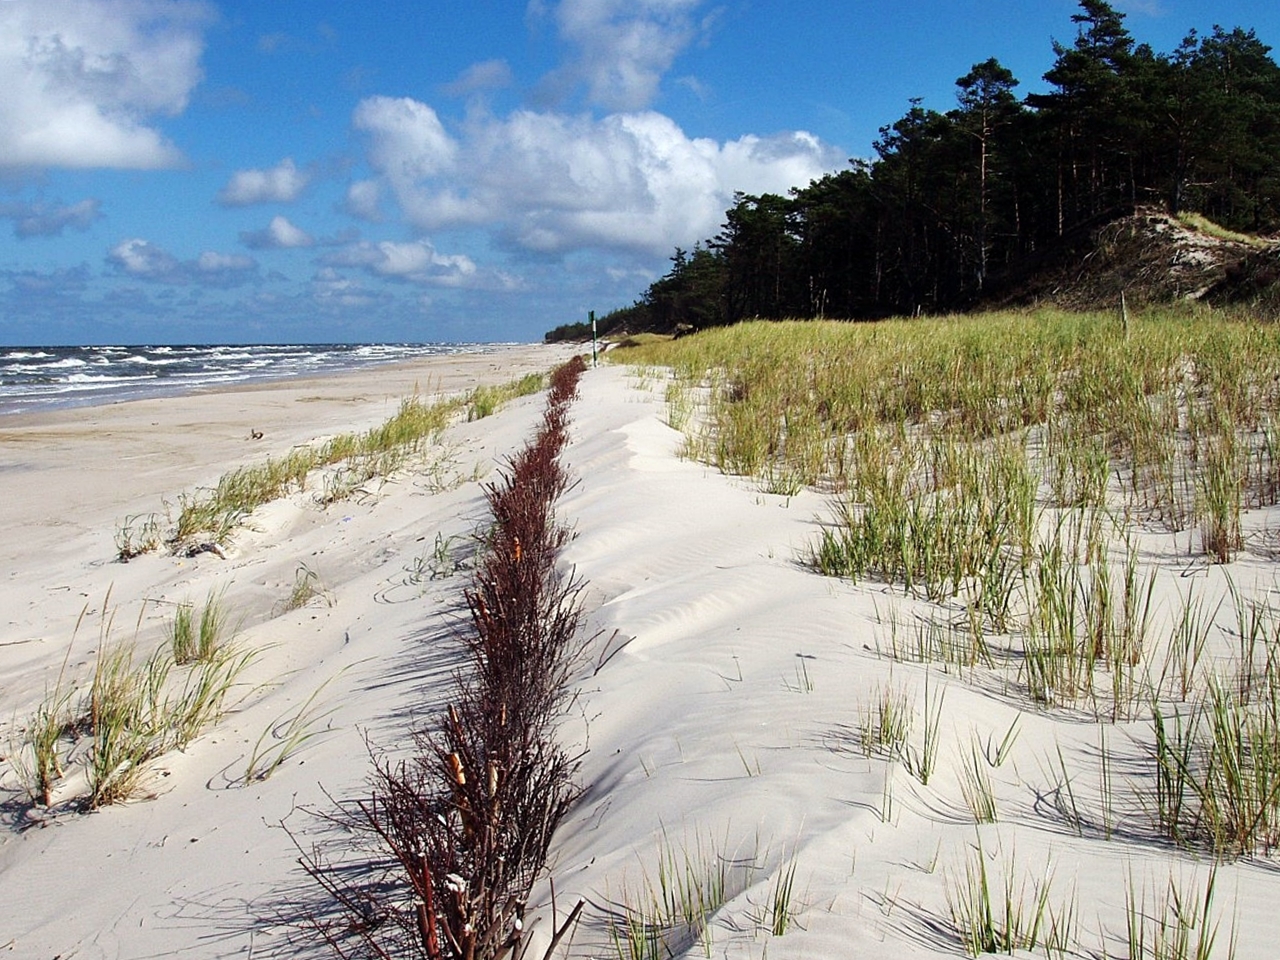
{"x": 83, "y": 78}
{"x": 138, "y": 258}
{"x": 409, "y": 143}
{"x": 363, "y": 200}
{"x": 622, "y": 48}
{"x": 552, "y": 182}
{"x": 279, "y": 234}
{"x": 282, "y": 183}
{"x": 144, "y": 260}
{"x": 416, "y": 261}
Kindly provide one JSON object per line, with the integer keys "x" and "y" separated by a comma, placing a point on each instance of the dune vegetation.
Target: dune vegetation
{"x": 1168, "y": 419}
{"x": 343, "y": 464}
{"x": 139, "y": 708}
{"x": 1037, "y": 488}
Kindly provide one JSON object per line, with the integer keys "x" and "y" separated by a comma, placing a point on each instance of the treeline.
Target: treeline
{"x": 955, "y": 202}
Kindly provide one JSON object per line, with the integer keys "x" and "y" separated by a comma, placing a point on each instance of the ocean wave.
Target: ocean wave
{"x": 104, "y": 378}
{"x": 52, "y": 376}
{"x": 220, "y": 354}
{"x": 164, "y": 361}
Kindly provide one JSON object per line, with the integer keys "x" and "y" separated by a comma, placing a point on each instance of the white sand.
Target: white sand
{"x": 720, "y": 715}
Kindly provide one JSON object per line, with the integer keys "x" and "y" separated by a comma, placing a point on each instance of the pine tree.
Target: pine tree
{"x": 1088, "y": 112}
{"x": 987, "y": 105}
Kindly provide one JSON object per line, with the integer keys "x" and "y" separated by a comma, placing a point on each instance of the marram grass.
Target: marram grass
{"x": 1002, "y": 469}
{"x": 1176, "y": 408}
{"x": 353, "y": 460}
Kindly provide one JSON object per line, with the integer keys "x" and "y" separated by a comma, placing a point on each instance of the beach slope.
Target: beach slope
{"x": 735, "y": 711}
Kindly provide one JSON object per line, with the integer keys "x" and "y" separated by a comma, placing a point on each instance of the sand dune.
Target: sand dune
{"x": 722, "y": 707}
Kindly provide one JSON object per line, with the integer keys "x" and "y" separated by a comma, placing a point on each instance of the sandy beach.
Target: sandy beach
{"x": 103, "y": 885}
{"x": 722, "y": 706}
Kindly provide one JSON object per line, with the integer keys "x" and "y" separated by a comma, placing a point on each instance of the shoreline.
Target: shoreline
{"x": 344, "y": 400}
{"x": 70, "y": 478}
{"x": 202, "y": 864}
{"x": 166, "y": 388}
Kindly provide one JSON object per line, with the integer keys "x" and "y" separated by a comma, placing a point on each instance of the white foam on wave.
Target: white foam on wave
{"x": 58, "y": 376}
{"x": 26, "y": 355}
{"x": 104, "y": 378}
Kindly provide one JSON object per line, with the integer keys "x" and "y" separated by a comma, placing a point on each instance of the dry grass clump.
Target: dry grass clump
{"x": 138, "y": 711}
{"x": 138, "y": 535}
{"x": 669, "y": 913}
{"x": 358, "y": 457}
{"x": 1181, "y": 925}
{"x": 134, "y": 711}
{"x": 486, "y": 401}
{"x": 1007, "y": 914}
{"x": 307, "y": 585}
{"x": 468, "y": 818}
{"x": 212, "y": 516}
{"x": 38, "y": 759}
{"x": 202, "y": 638}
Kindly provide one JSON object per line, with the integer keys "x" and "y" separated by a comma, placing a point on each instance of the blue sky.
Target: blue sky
{"x": 461, "y": 170}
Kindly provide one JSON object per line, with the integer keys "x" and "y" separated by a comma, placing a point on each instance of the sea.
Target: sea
{"x": 40, "y": 378}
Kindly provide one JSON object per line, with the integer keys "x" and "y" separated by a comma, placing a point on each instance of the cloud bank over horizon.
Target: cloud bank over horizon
{"x": 143, "y": 260}
{"x": 41, "y": 219}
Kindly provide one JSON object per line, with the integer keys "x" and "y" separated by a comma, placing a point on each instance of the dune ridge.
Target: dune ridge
{"x": 744, "y": 732}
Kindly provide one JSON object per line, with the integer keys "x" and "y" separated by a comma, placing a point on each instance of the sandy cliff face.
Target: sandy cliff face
{"x": 1150, "y": 257}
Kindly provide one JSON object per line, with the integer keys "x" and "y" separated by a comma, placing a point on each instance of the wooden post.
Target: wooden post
{"x": 595, "y": 356}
